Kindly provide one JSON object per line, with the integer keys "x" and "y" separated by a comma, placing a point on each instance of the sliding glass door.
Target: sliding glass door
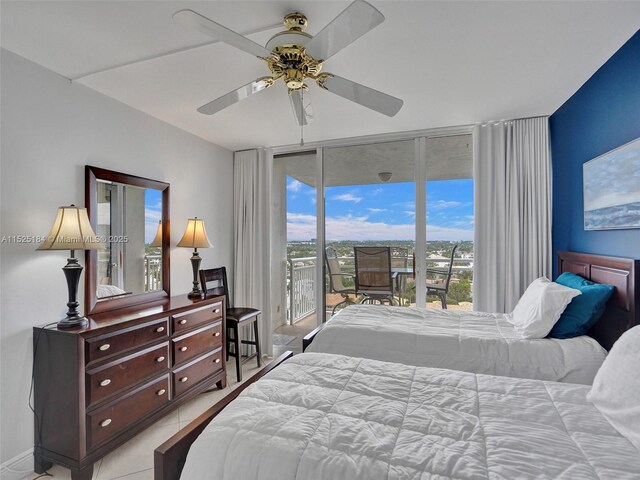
{"x": 450, "y": 221}
{"x": 369, "y": 201}
{"x": 411, "y": 197}
{"x": 294, "y": 228}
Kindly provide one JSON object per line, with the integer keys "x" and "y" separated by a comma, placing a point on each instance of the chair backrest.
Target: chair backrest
{"x": 448, "y": 279}
{"x": 214, "y": 282}
{"x": 399, "y": 257}
{"x": 373, "y": 270}
{"x": 334, "y": 269}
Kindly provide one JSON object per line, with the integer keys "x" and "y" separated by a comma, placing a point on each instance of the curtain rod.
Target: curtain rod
{"x": 490, "y": 122}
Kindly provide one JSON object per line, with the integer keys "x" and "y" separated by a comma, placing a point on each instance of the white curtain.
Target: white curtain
{"x": 512, "y": 241}
{"x": 252, "y": 172}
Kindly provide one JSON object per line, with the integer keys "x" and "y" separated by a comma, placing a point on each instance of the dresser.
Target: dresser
{"x": 98, "y": 386}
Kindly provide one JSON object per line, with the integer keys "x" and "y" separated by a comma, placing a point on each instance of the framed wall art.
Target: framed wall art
{"x": 611, "y": 189}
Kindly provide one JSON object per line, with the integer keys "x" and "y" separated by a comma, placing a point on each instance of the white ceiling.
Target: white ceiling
{"x": 453, "y": 63}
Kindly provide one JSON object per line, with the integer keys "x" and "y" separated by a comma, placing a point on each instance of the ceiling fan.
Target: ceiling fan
{"x": 295, "y": 56}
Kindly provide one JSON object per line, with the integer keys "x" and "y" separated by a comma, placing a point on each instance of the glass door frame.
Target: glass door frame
{"x": 420, "y": 177}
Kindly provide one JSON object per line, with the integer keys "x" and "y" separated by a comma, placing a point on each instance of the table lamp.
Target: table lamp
{"x": 72, "y": 231}
{"x": 195, "y": 236}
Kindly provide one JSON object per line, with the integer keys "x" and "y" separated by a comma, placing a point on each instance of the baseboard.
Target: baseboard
{"x": 17, "y": 467}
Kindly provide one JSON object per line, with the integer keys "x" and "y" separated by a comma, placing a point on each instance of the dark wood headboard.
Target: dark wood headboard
{"x": 623, "y": 273}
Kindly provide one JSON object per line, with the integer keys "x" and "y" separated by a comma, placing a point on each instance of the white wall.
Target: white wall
{"x": 50, "y": 129}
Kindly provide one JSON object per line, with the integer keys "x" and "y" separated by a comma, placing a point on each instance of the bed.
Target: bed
{"x": 482, "y": 342}
{"x": 321, "y": 416}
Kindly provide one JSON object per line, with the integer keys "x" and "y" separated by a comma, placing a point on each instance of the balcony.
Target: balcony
{"x": 301, "y": 279}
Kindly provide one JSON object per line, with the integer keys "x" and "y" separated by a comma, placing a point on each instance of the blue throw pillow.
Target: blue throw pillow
{"x": 584, "y": 310}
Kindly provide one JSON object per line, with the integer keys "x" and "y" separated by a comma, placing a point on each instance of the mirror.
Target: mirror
{"x": 131, "y": 216}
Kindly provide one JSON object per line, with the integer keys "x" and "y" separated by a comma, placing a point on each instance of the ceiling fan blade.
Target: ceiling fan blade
{"x": 356, "y": 20}
{"x": 365, "y": 96}
{"x": 301, "y": 105}
{"x": 234, "y": 96}
{"x": 194, "y": 20}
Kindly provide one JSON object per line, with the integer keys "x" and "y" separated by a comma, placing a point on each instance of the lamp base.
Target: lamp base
{"x": 72, "y": 322}
{"x": 195, "y": 265}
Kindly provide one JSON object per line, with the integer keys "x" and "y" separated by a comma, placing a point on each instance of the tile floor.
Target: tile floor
{"x": 298, "y": 330}
{"x": 134, "y": 459}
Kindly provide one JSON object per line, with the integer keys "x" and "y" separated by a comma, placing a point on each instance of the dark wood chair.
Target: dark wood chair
{"x": 441, "y": 288}
{"x": 374, "y": 278}
{"x": 214, "y": 282}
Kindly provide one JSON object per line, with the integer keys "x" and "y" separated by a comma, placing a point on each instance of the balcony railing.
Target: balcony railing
{"x": 301, "y": 278}
{"x": 152, "y": 273}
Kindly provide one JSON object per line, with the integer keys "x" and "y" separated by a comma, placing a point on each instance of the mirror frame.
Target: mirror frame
{"x": 92, "y": 305}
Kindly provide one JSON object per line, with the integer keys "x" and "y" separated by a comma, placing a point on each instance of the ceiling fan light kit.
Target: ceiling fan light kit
{"x": 295, "y": 56}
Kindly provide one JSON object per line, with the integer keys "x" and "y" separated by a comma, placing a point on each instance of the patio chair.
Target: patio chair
{"x": 441, "y": 288}
{"x": 400, "y": 260}
{"x": 374, "y": 278}
{"x": 336, "y": 277}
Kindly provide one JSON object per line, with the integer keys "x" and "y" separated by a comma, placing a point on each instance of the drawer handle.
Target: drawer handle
{"x": 160, "y": 329}
{"x": 217, "y": 310}
{"x": 105, "y": 423}
{"x": 161, "y": 392}
{"x": 104, "y": 347}
{"x": 104, "y": 383}
{"x": 183, "y": 349}
{"x": 160, "y": 359}
{"x": 184, "y": 379}
{"x": 217, "y": 334}
{"x": 217, "y": 360}
{"x": 183, "y": 321}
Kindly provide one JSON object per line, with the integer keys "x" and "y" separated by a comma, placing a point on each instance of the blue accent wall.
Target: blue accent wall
{"x": 602, "y": 115}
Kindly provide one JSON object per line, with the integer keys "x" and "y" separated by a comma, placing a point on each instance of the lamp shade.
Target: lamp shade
{"x": 71, "y": 231}
{"x": 195, "y": 236}
{"x": 157, "y": 241}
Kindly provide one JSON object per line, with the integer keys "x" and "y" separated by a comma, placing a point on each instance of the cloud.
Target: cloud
{"x": 444, "y": 204}
{"x": 378, "y": 210}
{"x": 347, "y": 197}
{"x": 349, "y": 227}
{"x": 294, "y": 185}
{"x": 151, "y": 219}
{"x": 377, "y": 191}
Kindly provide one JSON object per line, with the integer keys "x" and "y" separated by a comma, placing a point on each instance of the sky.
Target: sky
{"x": 381, "y": 211}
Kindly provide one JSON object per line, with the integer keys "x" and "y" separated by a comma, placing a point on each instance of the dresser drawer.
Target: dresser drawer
{"x": 188, "y": 320}
{"x": 196, "y": 343}
{"x": 123, "y": 340}
{"x": 126, "y": 372}
{"x": 196, "y": 371}
{"x": 106, "y": 422}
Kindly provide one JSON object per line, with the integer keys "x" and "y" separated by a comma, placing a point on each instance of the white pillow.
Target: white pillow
{"x": 616, "y": 388}
{"x": 540, "y": 307}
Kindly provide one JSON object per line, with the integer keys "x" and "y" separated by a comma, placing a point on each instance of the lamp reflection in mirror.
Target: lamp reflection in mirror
{"x": 72, "y": 231}
{"x": 195, "y": 236}
{"x": 157, "y": 241}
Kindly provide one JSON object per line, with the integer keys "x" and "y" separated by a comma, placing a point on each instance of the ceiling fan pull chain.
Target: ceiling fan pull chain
{"x": 302, "y": 116}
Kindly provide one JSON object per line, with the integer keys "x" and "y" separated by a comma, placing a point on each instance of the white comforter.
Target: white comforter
{"x": 468, "y": 341}
{"x": 331, "y": 417}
